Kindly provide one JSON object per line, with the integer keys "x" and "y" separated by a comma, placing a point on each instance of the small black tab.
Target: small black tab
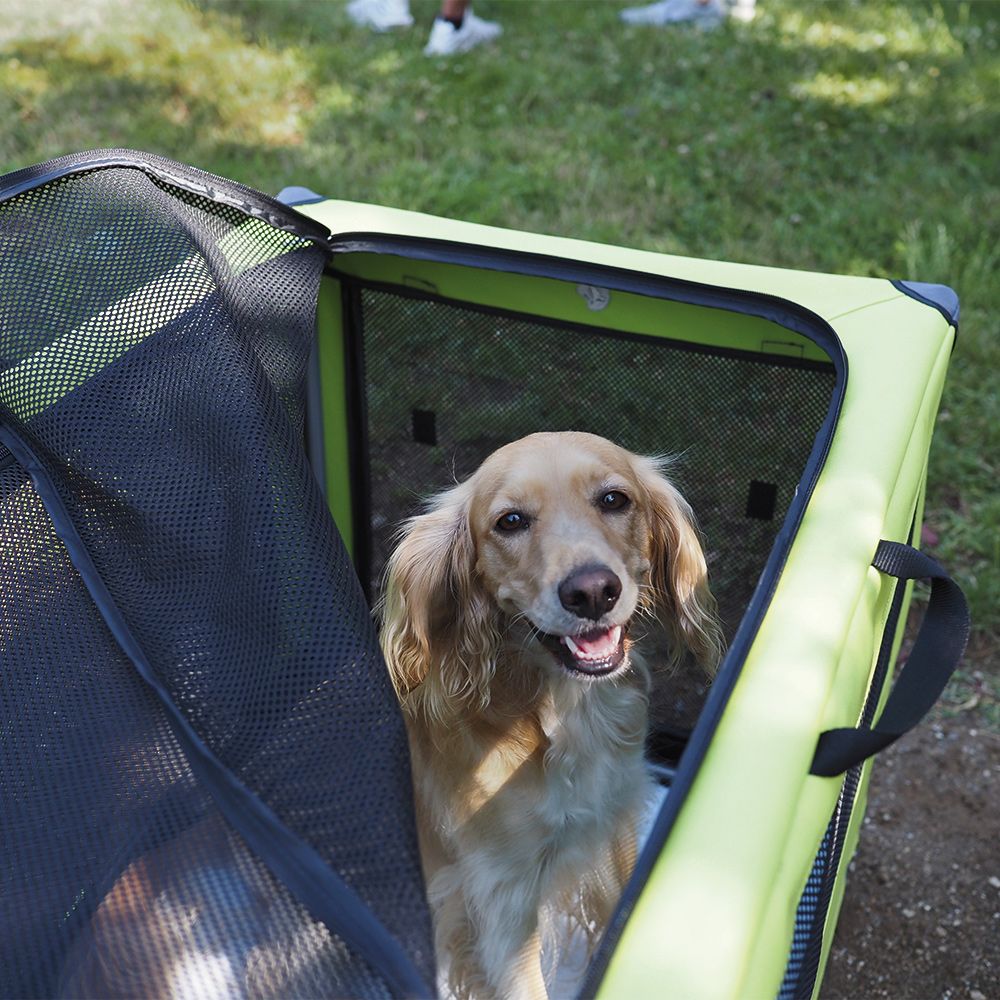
{"x": 425, "y": 427}
{"x": 762, "y": 498}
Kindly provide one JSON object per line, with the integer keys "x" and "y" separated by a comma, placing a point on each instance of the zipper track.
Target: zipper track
{"x": 786, "y": 313}
{"x": 805, "y": 982}
{"x": 159, "y": 169}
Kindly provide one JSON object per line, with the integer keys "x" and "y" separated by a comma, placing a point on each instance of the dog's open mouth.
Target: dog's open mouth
{"x": 595, "y": 653}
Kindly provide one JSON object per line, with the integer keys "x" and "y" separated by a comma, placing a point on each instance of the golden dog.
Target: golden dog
{"x": 508, "y": 628}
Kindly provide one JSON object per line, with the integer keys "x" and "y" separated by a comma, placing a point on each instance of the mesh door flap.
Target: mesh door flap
{"x": 153, "y": 349}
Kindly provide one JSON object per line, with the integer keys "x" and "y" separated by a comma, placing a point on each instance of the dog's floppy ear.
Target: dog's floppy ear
{"x": 678, "y": 574}
{"x": 439, "y": 631}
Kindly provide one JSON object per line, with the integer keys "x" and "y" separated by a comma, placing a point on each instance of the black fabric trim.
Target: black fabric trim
{"x": 586, "y": 329}
{"x": 327, "y": 897}
{"x": 939, "y": 297}
{"x": 937, "y": 651}
{"x": 784, "y": 312}
{"x": 161, "y": 169}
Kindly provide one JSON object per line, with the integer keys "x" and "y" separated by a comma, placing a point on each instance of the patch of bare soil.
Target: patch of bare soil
{"x": 921, "y": 914}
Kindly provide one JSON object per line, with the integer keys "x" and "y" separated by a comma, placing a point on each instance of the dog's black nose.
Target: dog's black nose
{"x": 590, "y": 591}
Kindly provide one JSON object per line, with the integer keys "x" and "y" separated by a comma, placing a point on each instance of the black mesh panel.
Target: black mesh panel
{"x": 153, "y": 348}
{"x": 741, "y": 425}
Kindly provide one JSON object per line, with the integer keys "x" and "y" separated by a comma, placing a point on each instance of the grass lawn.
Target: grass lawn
{"x": 849, "y": 137}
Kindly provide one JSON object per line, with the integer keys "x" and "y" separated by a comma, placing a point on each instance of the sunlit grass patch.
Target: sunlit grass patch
{"x": 838, "y": 89}
{"x": 191, "y": 67}
{"x": 910, "y": 31}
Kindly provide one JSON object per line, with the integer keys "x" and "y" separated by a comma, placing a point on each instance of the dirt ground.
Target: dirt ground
{"x": 921, "y": 915}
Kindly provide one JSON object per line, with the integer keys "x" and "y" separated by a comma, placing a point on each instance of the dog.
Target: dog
{"x": 510, "y": 617}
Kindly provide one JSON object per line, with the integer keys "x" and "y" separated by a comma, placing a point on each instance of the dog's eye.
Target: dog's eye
{"x": 512, "y": 521}
{"x": 614, "y": 500}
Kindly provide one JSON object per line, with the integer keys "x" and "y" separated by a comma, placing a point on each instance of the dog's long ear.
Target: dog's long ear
{"x": 439, "y": 632}
{"x": 678, "y": 573}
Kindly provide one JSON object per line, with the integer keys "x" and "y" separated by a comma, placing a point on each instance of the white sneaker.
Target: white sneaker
{"x": 706, "y": 15}
{"x": 380, "y": 15}
{"x": 446, "y": 39}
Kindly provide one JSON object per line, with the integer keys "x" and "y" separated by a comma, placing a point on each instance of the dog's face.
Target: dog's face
{"x": 561, "y": 530}
{"x": 556, "y": 542}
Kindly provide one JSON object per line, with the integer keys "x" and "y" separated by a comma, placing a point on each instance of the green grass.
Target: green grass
{"x": 848, "y": 137}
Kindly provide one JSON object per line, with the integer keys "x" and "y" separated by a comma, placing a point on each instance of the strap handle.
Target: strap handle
{"x": 938, "y": 649}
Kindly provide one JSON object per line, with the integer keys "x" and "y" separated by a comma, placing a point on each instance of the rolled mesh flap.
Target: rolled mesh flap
{"x": 202, "y": 755}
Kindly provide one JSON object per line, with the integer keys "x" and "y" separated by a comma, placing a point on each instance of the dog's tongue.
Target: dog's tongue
{"x": 596, "y": 645}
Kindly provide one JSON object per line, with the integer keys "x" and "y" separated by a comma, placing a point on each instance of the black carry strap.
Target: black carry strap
{"x": 937, "y": 651}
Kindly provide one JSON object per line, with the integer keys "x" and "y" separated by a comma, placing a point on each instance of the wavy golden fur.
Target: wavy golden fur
{"x": 507, "y": 626}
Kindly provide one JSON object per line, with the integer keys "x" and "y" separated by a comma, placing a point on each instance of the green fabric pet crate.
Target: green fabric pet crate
{"x": 194, "y": 377}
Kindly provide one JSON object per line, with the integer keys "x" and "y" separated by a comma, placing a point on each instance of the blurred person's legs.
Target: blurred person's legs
{"x": 743, "y": 10}
{"x": 458, "y": 29}
{"x": 380, "y": 15}
{"x": 706, "y": 13}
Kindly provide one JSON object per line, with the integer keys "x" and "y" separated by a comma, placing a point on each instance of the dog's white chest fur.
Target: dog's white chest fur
{"x": 546, "y": 839}
{"x": 585, "y": 782}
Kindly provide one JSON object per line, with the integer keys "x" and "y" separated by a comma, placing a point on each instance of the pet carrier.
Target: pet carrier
{"x": 201, "y": 753}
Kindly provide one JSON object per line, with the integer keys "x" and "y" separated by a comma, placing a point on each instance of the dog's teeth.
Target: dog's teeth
{"x": 573, "y": 647}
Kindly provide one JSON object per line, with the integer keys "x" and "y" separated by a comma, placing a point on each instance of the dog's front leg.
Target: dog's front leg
{"x": 524, "y": 979}
{"x": 486, "y": 935}
{"x": 504, "y": 915}
{"x": 509, "y": 949}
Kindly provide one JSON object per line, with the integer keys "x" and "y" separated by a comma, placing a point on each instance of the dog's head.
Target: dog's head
{"x": 558, "y": 540}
